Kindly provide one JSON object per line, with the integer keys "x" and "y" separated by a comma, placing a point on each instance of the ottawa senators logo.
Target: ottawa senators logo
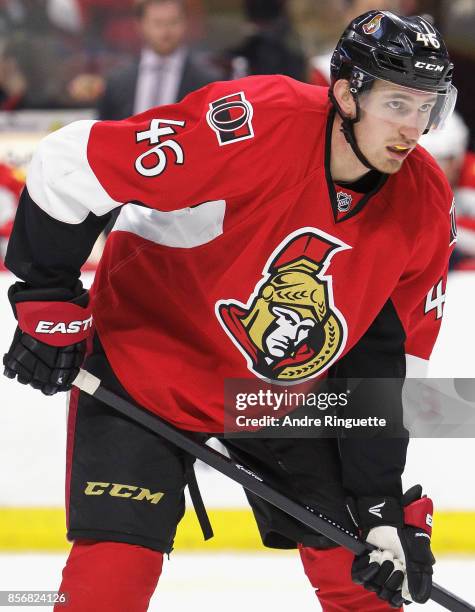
{"x": 290, "y": 329}
{"x": 373, "y": 26}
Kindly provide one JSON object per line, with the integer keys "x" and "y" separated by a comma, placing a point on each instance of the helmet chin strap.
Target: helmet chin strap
{"x": 347, "y": 129}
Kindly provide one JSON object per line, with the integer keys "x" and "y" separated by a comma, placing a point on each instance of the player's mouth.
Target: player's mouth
{"x": 399, "y": 151}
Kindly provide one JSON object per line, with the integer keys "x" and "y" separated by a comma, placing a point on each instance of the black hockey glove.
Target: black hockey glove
{"x": 400, "y": 569}
{"x": 50, "y": 341}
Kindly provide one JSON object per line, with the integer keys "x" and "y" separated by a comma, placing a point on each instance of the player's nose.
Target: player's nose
{"x": 412, "y": 129}
{"x": 411, "y": 133}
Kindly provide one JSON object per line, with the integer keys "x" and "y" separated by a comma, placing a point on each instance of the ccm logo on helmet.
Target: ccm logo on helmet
{"x": 434, "y": 67}
{"x": 73, "y": 327}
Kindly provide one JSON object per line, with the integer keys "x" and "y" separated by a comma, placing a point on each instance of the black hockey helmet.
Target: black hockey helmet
{"x": 406, "y": 51}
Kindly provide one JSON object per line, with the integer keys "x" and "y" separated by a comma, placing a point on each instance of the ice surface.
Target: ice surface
{"x": 224, "y": 582}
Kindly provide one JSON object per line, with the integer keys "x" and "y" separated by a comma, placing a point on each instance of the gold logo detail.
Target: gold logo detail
{"x": 121, "y": 490}
{"x": 290, "y": 330}
{"x": 373, "y": 26}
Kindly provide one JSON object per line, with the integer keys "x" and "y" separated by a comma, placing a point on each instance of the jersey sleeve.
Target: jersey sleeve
{"x": 233, "y": 140}
{"x": 46, "y": 252}
{"x": 62, "y": 210}
{"x": 228, "y": 140}
{"x": 420, "y": 295}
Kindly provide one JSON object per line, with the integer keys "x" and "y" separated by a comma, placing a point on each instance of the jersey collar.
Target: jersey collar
{"x": 338, "y": 215}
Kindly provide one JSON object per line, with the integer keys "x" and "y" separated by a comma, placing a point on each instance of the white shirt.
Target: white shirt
{"x": 158, "y": 79}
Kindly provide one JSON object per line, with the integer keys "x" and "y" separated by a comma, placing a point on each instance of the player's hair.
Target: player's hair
{"x": 141, "y": 6}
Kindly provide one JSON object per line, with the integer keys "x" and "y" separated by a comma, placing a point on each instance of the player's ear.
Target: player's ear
{"x": 341, "y": 91}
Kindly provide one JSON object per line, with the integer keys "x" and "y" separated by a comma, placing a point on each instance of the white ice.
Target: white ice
{"x": 218, "y": 582}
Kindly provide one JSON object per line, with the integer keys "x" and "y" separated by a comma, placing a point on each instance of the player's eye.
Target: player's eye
{"x": 426, "y": 108}
{"x": 397, "y": 105}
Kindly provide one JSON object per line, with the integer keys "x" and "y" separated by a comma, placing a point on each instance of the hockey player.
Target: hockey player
{"x": 267, "y": 230}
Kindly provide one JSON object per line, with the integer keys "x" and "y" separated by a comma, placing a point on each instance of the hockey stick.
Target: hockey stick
{"x": 248, "y": 479}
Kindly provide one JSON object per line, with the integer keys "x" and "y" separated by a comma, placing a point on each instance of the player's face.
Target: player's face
{"x": 290, "y": 330}
{"x": 393, "y": 119}
{"x": 163, "y": 27}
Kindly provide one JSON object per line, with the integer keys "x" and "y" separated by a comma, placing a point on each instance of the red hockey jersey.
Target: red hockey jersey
{"x": 234, "y": 254}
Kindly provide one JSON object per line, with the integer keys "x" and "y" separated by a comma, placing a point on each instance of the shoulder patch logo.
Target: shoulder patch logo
{"x": 290, "y": 329}
{"x": 373, "y": 26}
{"x": 231, "y": 118}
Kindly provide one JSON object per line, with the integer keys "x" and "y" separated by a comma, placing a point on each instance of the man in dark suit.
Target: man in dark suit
{"x": 165, "y": 71}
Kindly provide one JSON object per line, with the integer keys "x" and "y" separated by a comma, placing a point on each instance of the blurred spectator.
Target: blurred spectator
{"x": 449, "y": 147}
{"x": 104, "y": 23}
{"x": 11, "y": 184}
{"x": 12, "y": 83}
{"x": 42, "y": 47}
{"x": 26, "y": 68}
{"x": 86, "y": 88}
{"x": 27, "y": 15}
{"x": 271, "y": 47}
{"x": 166, "y": 70}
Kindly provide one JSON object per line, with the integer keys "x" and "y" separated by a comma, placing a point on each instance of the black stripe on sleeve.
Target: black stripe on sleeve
{"x": 45, "y": 252}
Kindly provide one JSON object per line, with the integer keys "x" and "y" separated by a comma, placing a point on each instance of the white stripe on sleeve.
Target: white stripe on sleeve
{"x": 60, "y": 180}
{"x": 185, "y": 228}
